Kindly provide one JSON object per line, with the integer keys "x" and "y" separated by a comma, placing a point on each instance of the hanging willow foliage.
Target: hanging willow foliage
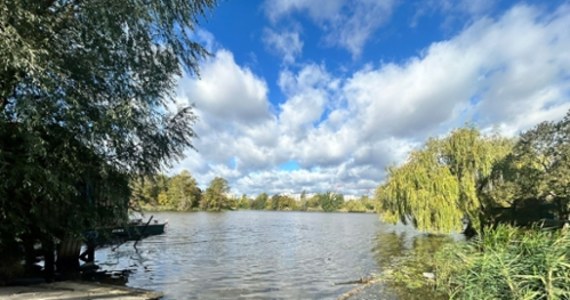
{"x": 438, "y": 185}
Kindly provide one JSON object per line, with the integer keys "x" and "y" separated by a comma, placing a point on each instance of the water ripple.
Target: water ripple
{"x": 250, "y": 254}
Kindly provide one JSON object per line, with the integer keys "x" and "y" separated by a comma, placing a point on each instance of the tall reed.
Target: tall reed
{"x": 507, "y": 263}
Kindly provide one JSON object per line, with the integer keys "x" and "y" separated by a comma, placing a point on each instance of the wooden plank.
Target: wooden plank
{"x": 72, "y": 290}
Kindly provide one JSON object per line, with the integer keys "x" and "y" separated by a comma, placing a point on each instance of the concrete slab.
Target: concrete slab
{"x": 73, "y": 290}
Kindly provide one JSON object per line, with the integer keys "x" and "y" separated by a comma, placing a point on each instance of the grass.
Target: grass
{"x": 507, "y": 263}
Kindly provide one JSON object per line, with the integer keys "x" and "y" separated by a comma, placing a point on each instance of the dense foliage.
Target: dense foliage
{"x": 215, "y": 198}
{"x": 85, "y": 104}
{"x": 485, "y": 179}
{"x": 533, "y": 181}
{"x": 438, "y": 185}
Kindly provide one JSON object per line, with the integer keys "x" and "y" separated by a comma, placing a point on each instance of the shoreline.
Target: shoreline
{"x": 77, "y": 290}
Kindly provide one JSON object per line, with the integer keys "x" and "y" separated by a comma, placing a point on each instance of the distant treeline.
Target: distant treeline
{"x": 181, "y": 193}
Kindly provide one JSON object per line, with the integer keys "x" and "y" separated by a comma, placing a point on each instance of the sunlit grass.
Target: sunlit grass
{"x": 507, "y": 263}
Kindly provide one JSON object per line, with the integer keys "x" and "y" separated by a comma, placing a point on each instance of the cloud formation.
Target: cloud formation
{"x": 347, "y": 24}
{"x": 287, "y": 44}
{"x": 343, "y": 131}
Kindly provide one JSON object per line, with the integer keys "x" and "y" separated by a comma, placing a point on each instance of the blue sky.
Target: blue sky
{"x": 321, "y": 95}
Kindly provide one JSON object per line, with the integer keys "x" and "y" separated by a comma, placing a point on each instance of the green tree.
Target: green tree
{"x": 139, "y": 192}
{"x": 354, "y": 206}
{"x": 439, "y": 185}
{"x": 244, "y": 202}
{"x": 183, "y": 191}
{"x": 281, "y": 202}
{"x": 533, "y": 180}
{"x": 368, "y": 203}
{"x": 330, "y": 201}
{"x": 86, "y": 89}
{"x": 260, "y": 201}
{"x": 288, "y": 203}
{"x": 163, "y": 199}
{"x": 313, "y": 202}
{"x": 303, "y": 201}
{"x": 146, "y": 189}
{"x": 215, "y": 198}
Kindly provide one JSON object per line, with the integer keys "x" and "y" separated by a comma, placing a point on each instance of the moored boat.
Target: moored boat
{"x": 132, "y": 231}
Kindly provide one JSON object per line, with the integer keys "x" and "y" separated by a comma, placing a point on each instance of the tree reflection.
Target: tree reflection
{"x": 403, "y": 257}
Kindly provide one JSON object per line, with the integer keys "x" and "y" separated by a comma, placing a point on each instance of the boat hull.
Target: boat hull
{"x": 131, "y": 232}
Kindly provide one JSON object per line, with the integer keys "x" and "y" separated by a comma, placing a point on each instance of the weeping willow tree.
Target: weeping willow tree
{"x": 86, "y": 95}
{"x": 438, "y": 186}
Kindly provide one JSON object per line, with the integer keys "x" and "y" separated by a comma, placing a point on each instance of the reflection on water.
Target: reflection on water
{"x": 409, "y": 254}
{"x": 258, "y": 254}
{"x": 393, "y": 245}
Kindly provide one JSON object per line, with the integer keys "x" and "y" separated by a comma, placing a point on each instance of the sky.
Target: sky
{"x": 324, "y": 95}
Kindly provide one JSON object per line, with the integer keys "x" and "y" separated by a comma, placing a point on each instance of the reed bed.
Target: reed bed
{"x": 507, "y": 263}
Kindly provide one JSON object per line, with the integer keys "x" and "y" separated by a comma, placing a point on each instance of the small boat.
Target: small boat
{"x": 132, "y": 231}
{"x": 137, "y": 230}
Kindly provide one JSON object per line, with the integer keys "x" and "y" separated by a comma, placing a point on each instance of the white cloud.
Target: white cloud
{"x": 472, "y": 8}
{"x": 454, "y": 10}
{"x": 319, "y": 10}
{"x": 348, "y": 24}
{"x": 227, "y": 91}
{"x": 287, "y": 44}
{"x": 496, "y": 71}
{"x": 509, "y": 73}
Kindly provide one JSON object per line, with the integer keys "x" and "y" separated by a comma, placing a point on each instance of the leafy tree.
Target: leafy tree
{"x": 354, "y": 206}
{"x": 260, "y": 201}
{"x": 439, "y": 185}
{"x": 148, "y": 188}
{"x": 232, "y": 203}
{"x": 281, "y": 202}
{"x": 163, "y": 199}
{"x": 368, "y": 203}
{"x": 140, "y": 193}
{"x": 215, "y": 198}
{"x": 86, "y": 93}
{"x": 313, "y": 202}
{"x": 244, "y": 202}
{"x": 330, "y": 201}
{"x": 288, "y": 203}
{"x": 533, "y": 181}
{"x": 303, "y": 201}
{"x": 183, "y": 191}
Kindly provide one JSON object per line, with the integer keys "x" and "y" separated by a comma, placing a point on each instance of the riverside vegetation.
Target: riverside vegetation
{"x": 512, "y": 195}
{"x": 181, "y": 193}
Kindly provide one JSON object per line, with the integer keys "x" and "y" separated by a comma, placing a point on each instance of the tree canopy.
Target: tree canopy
{"x": 534, "y": 179}
{"x": 438, "y": 185}
{"x": 103, "y": 70}
{"x": 215, "y": 198}
{"x": 86, "y": 101}
{"x": 486, "y": 179}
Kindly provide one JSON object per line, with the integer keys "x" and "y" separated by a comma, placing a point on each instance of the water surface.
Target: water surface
{"x": 259, "y": 254}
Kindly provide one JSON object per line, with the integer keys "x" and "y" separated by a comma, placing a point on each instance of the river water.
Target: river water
{"x": 260, "y": 254}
